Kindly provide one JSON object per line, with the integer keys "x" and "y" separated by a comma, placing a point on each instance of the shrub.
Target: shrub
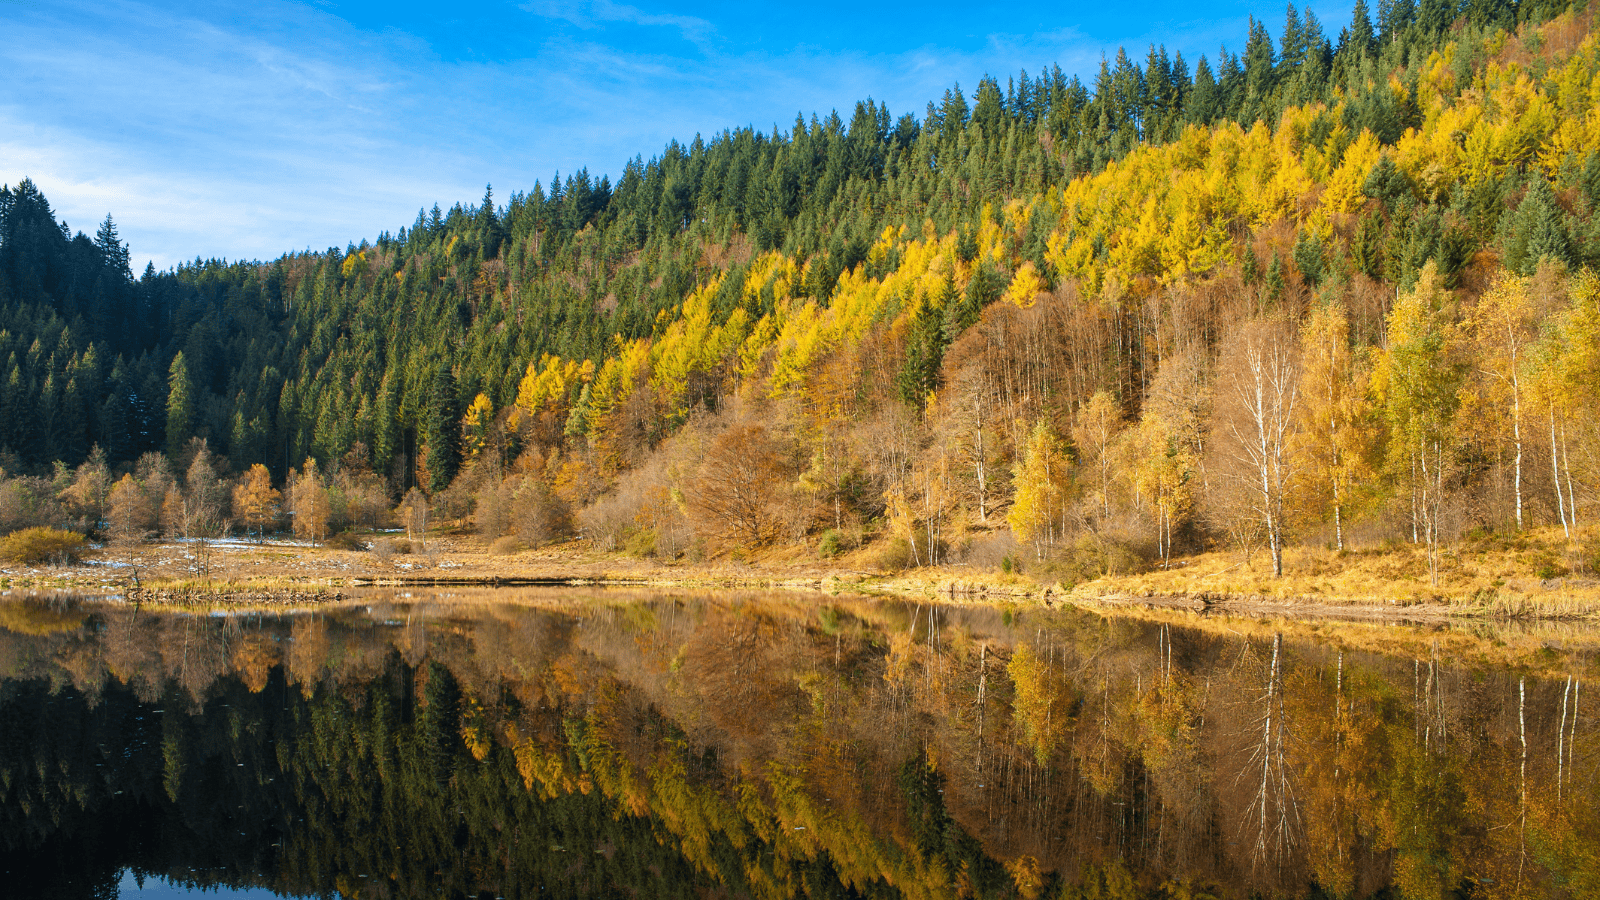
{"x": 383, "y": 548}
{"x": 832, "y": 543}
{"x": 506, "y": 546}
{"x": 344, "y": 540}
{"x": 640, "y": 542}
{"x": 894, "y": 555}
{"x": 40, "y": 545}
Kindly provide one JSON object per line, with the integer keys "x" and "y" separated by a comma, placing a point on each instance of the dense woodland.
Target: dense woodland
{"x": 753, "y": 746}
{"x": 1326, "y": 289}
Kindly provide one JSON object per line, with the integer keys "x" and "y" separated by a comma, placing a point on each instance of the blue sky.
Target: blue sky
{"x": 243, "y": 130}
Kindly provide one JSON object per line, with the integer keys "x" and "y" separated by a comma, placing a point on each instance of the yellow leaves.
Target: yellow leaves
{"x": 1042, "y": 479}
{"x": 804, "y": 335}
{"x": 475, "y": 424}
{"x": 1041, "y": 712}
{"x": 254, "y": 499}
{"x": 771, "y": 271}
{"x": 1192, "y": 149}
{"x": 1194, "y": 243}
{"x": 353, "y": 263}
{"x": 1575, "y": 87}
{"x": 1025, "y": 286}
{"x": 1138, "y": 252}
{"x": 1572, "y": 138}
{"x": 1521, "y": 118}
{"x": 475, "y": 733}
{"x": 756, "y": 344}
{"x": 541, "y": 770}
{"x": 547, "y": 382}
{"x": 619, "y": 376}
{"x": 691, "y": 345}
{"x": 885, "y": 244}
{"x": 991, "y": 237}
{"x": 1161, "y": 466}
{"x": 1437, "y": 86}
{"x": 1343, "y": 195}
{"x": 1025, "y": 874}
{"x": 1071, "y": 257}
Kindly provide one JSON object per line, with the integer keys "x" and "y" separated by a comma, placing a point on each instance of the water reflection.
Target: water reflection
{"x": 518, "y": 744}
{"x": 135, "y": 886}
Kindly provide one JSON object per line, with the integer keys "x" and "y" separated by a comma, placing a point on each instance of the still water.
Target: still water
{"x": 561, "y": 743}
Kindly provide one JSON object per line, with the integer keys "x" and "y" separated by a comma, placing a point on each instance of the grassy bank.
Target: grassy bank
{"x": 1538, "y": 573}
{"x": 1535, "y": 574}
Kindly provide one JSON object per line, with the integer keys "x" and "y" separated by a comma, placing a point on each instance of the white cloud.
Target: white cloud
{"x": 590, "y": 14}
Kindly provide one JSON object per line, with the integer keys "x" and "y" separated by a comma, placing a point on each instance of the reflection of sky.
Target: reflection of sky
{"x": 245, "y": 129}
{"x": 161, "y": 889}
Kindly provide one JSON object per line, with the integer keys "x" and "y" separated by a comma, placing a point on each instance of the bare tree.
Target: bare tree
{"x": 1260, "y": 378}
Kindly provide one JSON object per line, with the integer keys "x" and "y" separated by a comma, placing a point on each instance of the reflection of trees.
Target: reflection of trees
{"x": 1271, "y": 824}
{"x": 765, "y": 745}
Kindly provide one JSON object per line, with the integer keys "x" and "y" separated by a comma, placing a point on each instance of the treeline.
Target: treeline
{"x": 1005, "y": 312}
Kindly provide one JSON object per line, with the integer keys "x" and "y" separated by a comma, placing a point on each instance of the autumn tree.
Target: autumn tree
{"x": 1502, "y": 327}
{"x": 206, "y": 496}
{"x": 131, "y": 515}
{"x": 1042, "y": 482}
{"x": 1161, "y": 468}
{"x": 1563, "y": 378}
{"x": 412, "y": 511}
{"x": 91, "y": 486}
{"x": 1094, "y": 432}
{"x": 1332, "y": 438}
{"x": 733, "y": 497}
{"x": 308, "y": 502}
{"x": 1417, "y": 379}
{"x": 1259, "y": 390}
{"x": 255, "y": 500}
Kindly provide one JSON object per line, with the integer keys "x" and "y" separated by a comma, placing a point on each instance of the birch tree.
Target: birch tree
{"x": 1418, "y": 378}
{"x": 1162, "y": 470}
{"x": 1038, "y": 514}
{"x": 1332, "y": 437}
{"x": 1259, "y": 390}
{"x": 1094, "y": 431}
{"x": 1502, "y": 327}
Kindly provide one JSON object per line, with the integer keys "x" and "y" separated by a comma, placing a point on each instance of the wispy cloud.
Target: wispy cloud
{"x": 590, "y": 14}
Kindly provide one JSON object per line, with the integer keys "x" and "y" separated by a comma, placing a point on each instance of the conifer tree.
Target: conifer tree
{"x": 441, "y": 431}
{"x": 180, "y": 406}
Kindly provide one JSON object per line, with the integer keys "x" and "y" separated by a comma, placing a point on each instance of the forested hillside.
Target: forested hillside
{"x": 1330, "y": 288}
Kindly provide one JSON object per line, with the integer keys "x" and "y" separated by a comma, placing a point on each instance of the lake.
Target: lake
{"x": 614, "y": 743}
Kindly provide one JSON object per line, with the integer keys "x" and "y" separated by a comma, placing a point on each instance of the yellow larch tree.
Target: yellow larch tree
{"x": 1334, "y": 437}
{"x": 255, "y": 500}
{"x": 1042, "y": 481}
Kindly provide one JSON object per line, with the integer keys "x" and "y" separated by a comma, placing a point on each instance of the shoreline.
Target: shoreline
{"x": 283, "y": 573}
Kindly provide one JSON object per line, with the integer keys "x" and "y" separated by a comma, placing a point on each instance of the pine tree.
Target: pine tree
{"x": 180, "y": 406}
{"x": 441, "y": 431}
{"x": 1360, "y": 40}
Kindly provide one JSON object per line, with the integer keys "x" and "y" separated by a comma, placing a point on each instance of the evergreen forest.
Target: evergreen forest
{"x": 1336, "y": 286}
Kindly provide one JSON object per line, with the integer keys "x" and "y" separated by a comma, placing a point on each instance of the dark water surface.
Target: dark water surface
{"x": 565, "y": 743}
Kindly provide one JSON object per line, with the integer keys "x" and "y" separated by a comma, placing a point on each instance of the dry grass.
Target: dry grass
{"x": 1533, "y": 574}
